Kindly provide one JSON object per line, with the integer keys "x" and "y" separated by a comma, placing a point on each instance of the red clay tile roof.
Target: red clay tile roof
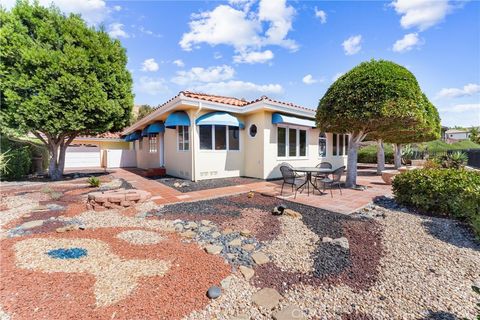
{"x": 214, "y": 98}
{"x": 106, "y": 135}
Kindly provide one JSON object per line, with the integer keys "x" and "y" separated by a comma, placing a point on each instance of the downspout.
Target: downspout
{"x": 194, "y": 135}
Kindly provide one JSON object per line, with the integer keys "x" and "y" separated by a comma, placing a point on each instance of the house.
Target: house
{"x": 200, "y": 136}
{"x": 107, "y": 150}
{"x": 454, "y": 135}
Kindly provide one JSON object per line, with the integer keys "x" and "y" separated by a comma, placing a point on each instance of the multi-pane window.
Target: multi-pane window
{"x": 218, "y": 137}
{"x": 183, "y": 138}
{"x": 322, "y": 144}
{"x": 291, "y": 142}
{"x": 152, "y": 143}
{"x": 340, "y": 144}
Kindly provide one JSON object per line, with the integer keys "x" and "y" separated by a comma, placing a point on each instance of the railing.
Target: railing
{"x": 472, "y": 154}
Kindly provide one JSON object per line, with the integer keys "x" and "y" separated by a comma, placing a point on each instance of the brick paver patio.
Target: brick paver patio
{"x": 349, "y": 201}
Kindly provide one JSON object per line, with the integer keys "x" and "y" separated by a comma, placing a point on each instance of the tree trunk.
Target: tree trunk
{"x": 397, "y": 156}
{"x": 53, "y": 171}
{"x": 355, "y": 139}
{"x": 380, "y": 156}
{"x": 57, "y": 156}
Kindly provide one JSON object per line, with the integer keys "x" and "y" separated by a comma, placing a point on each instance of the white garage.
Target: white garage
{"x": 83, "y": 156}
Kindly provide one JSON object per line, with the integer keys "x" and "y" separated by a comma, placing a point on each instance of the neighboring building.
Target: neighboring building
{"x": 106, "y": 150}
{"x": 199, "y": 136}
{"x": 454, "y": 135}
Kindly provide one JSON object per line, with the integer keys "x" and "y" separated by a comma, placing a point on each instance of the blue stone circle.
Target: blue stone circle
{"x": 71, "y": 253}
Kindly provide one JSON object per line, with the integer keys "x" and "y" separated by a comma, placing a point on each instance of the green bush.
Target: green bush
{"x": 443, "y": 192}
{"x": 455, "y": 160}
{"x": 368, "y": 154}
{"x": 94, "y": 182}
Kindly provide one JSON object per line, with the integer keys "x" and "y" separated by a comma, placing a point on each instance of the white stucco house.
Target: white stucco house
{"x": 199, "y": 136}
{"x": 457, "y": 135}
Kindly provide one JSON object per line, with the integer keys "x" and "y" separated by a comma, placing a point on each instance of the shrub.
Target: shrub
{"x": 444, "y": 192}
{"x": 93, "y": 182}
{"x": 368, "y": 154}
{"x": 455, "y": 160}
{"x": 19, "y": 163}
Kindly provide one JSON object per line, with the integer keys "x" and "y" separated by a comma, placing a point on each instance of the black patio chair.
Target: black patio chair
{"x": 289, "y": 177}
{"x": 321, "y": 165}
{"x": 334, "y": 180}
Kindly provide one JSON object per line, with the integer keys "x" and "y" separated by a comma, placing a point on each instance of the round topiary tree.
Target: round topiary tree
{"x": 427, "y": 130}
{"x": 373, "y": 97}
{"x": 60, "y": 79}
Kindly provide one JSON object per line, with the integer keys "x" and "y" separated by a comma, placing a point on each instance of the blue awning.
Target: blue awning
{"x": 281, "y": 118}
{"x": 219, "y": 118}
{"x": 133, "y": 136}
{"x": 156, "y": 127}
{"x": 177, "y": 118}
{"x": 144, "y": 132}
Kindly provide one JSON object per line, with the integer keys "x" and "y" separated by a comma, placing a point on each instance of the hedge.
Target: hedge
{"x": 442, "y": 192}
{"x": 368, "y": 154}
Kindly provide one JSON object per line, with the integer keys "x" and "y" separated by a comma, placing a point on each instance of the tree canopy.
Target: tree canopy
{"x": 373, "y": 98}
{"x": 60, "y": 78}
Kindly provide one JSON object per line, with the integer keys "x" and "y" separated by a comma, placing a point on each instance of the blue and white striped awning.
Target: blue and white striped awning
{"x": 156, "y": 127}
{"x": 278, "y": 118}
{"x": 177, "y": 118}
{"x": 219, "y": 118}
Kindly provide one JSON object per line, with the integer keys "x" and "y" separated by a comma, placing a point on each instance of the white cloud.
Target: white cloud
{"x": 179, "y": 63}
{"x": 240, "y": 89}
{"x": 320, "y": 14}
{"x": 464, "y": 107}
{"x": 117, "y": 8}
{"x": 93, "y": 11}
{"x": 467, "y": 90}
{"x": 199, "y": 74}
{"x": 149, "y": 65}
{"x": 242, "y": 28}
{"x": 308, "y": 79}
{"x": 217, "y": 55}
{"x": 421, "y": 14}
{"x": 151, "y": 86}
{"x": 143, "y": 30}
{"x": 253, "y": 57}
{"x": 115, "y": 30}
{"x": 352, "y": 45}
{"x": 407, "y": 43}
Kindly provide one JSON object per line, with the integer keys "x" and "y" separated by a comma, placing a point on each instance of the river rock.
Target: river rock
{"x": 213, "y": 249}
{"x": 267, "y": 298}
{"x": 214, "y": 292}
{"x": 247, "y": 272}
{"x": 260, "y": 258}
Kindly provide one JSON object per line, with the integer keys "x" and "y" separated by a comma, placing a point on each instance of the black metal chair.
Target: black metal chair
{"x": 334, "y": 180}
{"x": 289, "y": 177}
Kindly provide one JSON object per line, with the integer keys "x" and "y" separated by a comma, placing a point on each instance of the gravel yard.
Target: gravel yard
{"x": 183, "y": 185}
{"x": 59, "y": 260}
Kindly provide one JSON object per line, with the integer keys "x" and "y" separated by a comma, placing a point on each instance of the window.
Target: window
{"x": 183, "y": 139}
{"x": 220, "y": 137}
{"x": 340, "y": 144}
{"x": 281, "y": 142}
{"x": 253, "y": 130}
{"x": 291, "y": 142}
{"x": 152, "y": 143}
{"x": 215, "y": 136}
{"x": 322, "y": 144}
{"x": 233, "y": 138}
{"x": 206, "y": 138}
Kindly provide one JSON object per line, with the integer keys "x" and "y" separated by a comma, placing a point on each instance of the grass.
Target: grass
{"x": 439, "y": 145}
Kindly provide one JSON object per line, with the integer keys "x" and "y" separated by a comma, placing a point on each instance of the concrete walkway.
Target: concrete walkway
{"x": 350, "y": 200}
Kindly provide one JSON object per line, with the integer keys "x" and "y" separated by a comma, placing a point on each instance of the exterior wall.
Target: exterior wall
{"x": 104, "y": 145}
{"x": 211, "y": 164}
{"x": 254, "y": 147}
{"x": 457, "y": 135}
{"x": 146, "y": 159}
{"x": 178, "y": 163}
{"x": 272, "y": 163}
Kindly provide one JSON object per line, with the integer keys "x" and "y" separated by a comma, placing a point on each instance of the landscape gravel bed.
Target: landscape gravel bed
{"x": 183, "y": 185}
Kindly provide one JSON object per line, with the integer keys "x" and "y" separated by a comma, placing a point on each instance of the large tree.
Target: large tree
{"x": 60, "y": 78}
{"x": 373, "y": 97}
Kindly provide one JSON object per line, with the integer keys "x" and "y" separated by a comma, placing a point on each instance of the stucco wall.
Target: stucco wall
{"x": 178, "y": 163}
{"x": 146, "y": 159}
{"x": 254, "y": 150}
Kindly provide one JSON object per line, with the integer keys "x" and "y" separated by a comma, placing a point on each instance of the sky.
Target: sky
{"x": 292, "y": 50}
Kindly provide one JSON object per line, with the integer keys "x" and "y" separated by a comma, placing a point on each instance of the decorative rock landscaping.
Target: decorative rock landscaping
{"x": 114, "y": 199}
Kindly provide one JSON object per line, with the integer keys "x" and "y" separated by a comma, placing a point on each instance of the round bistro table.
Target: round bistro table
{"x": 308, "y": 181}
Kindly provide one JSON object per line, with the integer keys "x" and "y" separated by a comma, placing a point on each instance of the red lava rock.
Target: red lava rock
{"x": 70, "y": 295}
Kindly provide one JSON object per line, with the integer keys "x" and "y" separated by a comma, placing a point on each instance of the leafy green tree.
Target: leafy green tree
{"x": 475, "y": 135}
{"x": 143, "y": 111}
{"x": 373, "y": 97}
{"x": 60, "y": 78}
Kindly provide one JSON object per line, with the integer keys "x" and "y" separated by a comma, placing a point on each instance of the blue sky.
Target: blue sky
{"x": 293, "y": 50}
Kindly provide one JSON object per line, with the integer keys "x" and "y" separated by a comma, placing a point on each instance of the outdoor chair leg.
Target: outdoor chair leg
{"x": 281, "y": 192}
{"x": 339, "y": 187}
{"x": 331, "y": 191}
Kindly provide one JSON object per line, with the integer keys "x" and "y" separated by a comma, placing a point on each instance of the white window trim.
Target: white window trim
{"x": 178, "y": 139}
{"x": 287, "y": 142}
{"x": 345, "y": 149}
{"x": 213, "y": 150}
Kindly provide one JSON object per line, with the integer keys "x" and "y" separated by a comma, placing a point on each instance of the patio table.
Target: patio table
{"x": 308, "y": 181}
